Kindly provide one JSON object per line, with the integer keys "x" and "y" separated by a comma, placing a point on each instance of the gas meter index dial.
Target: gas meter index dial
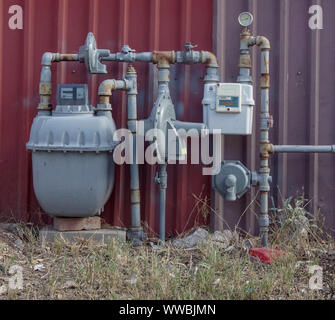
{"x": 245, "y": 19}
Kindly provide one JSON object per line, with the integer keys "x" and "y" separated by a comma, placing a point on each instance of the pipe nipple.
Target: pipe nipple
{"x": 131, "y": 69}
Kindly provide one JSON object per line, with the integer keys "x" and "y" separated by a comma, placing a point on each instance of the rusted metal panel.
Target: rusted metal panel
{"x": 62, "y": 26}
{"x": 302, "y": 82}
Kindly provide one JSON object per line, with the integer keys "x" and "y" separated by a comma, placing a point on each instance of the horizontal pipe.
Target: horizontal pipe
{"x": 303, "y": 149}
{"x": 45, "y": 91}
{"x": 205, "y": 57}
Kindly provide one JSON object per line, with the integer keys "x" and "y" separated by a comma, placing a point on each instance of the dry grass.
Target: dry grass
{"x": 87, "y": 270}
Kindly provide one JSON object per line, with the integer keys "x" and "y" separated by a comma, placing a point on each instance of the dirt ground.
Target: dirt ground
{"x": 87, "y": 270}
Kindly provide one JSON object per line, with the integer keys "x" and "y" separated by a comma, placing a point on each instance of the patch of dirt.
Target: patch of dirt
{"x": 85, "y": 270}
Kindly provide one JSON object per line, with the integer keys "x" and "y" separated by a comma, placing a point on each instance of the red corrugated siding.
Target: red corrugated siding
{"x": 62, "y": 26}
{"x": 302, "y": 105}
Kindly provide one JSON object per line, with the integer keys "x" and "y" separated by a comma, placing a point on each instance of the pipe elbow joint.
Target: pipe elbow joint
{"x": 209, "y": 59}
{"x": 47, "y": 58}
{"x": 263, "y": 43}
{"x": 106, "y": 87}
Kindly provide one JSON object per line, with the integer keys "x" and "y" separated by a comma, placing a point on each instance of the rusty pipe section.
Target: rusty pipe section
{"x": 182, "y": 57}
{"x": 136, "y": 230}
{"x": 164, "y": 58}
{"x": 45, "y": 89}
{"x": 266, "y": 123}
{"x": 105, "y": 91}
{"x": 247, "y": 41}
{"x": 107, "y": 87}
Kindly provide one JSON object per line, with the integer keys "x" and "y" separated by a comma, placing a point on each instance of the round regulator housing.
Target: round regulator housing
{"x": 233, "y": 180}
{"x": 73, "y": 169}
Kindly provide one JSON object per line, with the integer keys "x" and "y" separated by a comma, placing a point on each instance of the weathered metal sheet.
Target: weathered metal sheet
{"x": 302, "y": 82}
{"x": 62, "y": 26}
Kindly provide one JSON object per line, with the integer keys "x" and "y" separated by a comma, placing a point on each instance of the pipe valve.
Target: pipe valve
{"x": 189, "y": 46}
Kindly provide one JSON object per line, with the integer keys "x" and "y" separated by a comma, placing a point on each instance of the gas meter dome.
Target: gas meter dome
{"x": 73, "y": 169}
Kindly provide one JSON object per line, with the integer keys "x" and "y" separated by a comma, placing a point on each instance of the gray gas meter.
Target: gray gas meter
{"x": 228, "y": 107}
{"x": 73, "y": 168}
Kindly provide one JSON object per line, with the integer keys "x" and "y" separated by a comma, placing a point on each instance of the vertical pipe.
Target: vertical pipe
{"x": 163, "y": 85}
{"x": 244, "y": 62}
{"x": 162, "y": 201}
{"x": 264, "y": 178}
{"x": 135, "y": 201}
{"x": 264, "y": 171}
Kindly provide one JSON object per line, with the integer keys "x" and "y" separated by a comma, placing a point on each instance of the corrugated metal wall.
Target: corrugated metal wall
{"x": 301, "y": 100}
{"x": 302, "y": 79}
{"x": 62, "y": 26}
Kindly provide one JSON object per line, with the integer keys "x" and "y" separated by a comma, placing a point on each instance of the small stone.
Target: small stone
{"x": 204, "y": 265}
{"x": 3, "y": 290}
{"x": 224, "y": 236}
{"x": 10, "y": 227}
{"x": 19, "y": 243}
{"x": 223, "y": 239}
{"x": 216, "y": 282}
{"x": 132, "y": 280}
{"x": 231, "y": 248}
{"x": 247, "y": 244}
{"x": 154, "y": 246}
{"x": 39, "y": 267}
{"x": 192, "y": 240}
{"x": 70, "y": 285}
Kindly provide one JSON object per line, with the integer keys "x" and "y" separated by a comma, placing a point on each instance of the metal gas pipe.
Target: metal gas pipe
{"x": 129, "y": 84}
{"x": 45, "y": 90}
{"x": 93, "y": 57}
{"x": 263, "y": 178}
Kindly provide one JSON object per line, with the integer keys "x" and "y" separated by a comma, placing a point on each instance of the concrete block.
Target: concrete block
{"x": 49, "y": 234}
{"x": 76, "y": 224}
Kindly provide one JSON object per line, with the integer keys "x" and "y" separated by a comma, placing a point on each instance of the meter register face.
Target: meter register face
{"x": 229, "y": 97}
{"x": 72, "y": 94}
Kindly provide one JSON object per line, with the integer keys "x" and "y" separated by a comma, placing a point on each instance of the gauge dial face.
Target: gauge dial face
{"x": 245, "y": 19}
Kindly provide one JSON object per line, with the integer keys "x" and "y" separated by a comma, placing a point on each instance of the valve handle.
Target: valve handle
{"x": 126, "y": 49}
{"x": 189, "y": 46}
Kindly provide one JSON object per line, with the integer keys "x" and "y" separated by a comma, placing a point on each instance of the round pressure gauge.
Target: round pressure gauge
{"x": 245, "y": 19}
